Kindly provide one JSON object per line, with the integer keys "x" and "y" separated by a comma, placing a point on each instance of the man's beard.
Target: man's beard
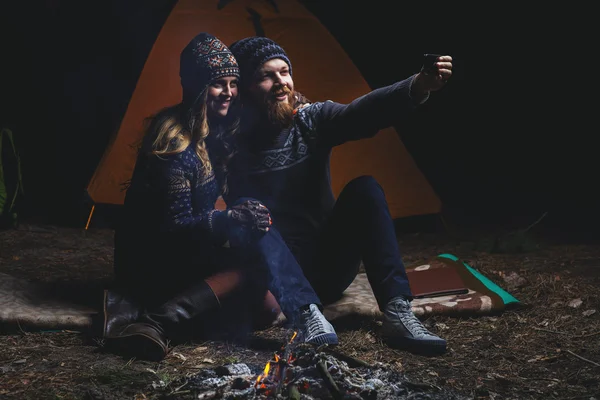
{"x": 280, "y": 114}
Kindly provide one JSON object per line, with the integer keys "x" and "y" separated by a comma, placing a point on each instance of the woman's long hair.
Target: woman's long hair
{"x": 174, "y": 128}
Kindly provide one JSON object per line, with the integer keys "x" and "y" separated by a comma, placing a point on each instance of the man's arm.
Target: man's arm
{"x": 381, "y": 108}
{"x": 366, "y": 115}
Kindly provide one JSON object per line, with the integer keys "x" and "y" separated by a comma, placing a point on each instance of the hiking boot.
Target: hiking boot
{"x": 118, "y": 311}
{"x": 402, "y": 329}
{"x": 141, "y": 340}
{"x": 175, "y": 316}
{"x": 146, "y": 337}
{"x": 314, "y": 328}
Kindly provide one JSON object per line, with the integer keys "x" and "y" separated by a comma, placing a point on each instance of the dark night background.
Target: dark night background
{"x": 491, "y": 143}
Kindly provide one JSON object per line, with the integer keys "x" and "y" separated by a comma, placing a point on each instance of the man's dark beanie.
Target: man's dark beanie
{"x": 252, "y": 52}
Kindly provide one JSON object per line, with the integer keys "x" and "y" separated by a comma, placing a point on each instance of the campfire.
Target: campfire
{"x": 303, "y": 371}
{"x": 273, "y": 379}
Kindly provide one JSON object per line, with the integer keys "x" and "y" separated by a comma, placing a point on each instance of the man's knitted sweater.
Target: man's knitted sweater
{"x": 291, "y": 174}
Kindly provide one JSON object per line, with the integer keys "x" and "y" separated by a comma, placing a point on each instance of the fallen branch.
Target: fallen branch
{"x": 351, "y": 361}
{"x": 420, "y": 386}
{"x": 583, "y": 359}
{"x": 178, "y": 390}
{"x": 294, "y": 393}
{"x": 540, "y": 379}
{"x": 549, "y": 331}
{"x": 329, "y": 382}
{"x": 588, "y": 335}
{"x": 536, "y": 222}
{"x": 565, "y": 333}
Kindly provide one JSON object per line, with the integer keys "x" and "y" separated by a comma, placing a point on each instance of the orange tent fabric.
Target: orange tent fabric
{"x": 322, "y": 71}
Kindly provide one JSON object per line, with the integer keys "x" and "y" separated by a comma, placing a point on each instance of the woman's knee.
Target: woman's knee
{"x": 241, "y": 200}
{"x": 267, "y": 313}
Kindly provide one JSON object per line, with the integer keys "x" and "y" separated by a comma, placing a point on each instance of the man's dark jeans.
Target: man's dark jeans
{"x": 318, "y": 268}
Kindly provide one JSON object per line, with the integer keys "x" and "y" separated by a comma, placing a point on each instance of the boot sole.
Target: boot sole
{"x": 140, "y": 346}
{"x": 326, "y": 338}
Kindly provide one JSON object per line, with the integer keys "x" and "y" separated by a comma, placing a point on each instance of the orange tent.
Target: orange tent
{"x": 322, "y": 71}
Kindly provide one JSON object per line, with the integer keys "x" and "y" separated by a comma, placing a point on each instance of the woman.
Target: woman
{"x": 177, "y": 258}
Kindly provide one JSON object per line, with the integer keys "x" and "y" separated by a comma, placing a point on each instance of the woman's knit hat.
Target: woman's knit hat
{"x": 203, "y": 60}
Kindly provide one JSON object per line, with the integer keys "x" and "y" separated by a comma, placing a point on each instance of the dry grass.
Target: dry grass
{"x": 547, "y": 349}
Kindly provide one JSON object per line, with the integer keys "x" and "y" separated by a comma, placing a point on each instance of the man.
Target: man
{"x": 282, "y": 159}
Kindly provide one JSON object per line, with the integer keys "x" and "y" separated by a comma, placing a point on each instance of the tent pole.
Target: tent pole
{"x": 445, "y": 224}
{"x": 90, "y": 217}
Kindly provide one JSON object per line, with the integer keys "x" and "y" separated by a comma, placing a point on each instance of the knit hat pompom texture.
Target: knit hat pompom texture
{"x": 252, "y": 52}
{"x": 203, "y": 60}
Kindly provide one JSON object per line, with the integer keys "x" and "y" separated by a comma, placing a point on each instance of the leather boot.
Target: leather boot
{"x": 146, "y": 338}
{"x": 141, "y": 340}
{"x": 119, "y": 311}
{"x": 176, "y": 315}
{"x": 122, "y": 332}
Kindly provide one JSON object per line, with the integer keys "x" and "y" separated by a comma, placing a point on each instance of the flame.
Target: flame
{"x": 277, "y": 358}
{"x": 263, "y": 375}
{"x": 291, "y": 357}
{"x": 293, "y": 337}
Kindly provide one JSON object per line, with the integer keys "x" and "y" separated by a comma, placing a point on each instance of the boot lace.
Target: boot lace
{"x": 410, "y": 321}
{"x": 312, "y": 323}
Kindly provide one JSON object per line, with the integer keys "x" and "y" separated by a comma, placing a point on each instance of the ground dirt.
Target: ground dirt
{"x": 550, "y": 348}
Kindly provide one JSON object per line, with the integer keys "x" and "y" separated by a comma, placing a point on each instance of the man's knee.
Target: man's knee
{"x": 364, "y": 185}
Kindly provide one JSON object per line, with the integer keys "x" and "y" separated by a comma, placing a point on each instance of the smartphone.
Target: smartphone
{"x": 429, "y": 61}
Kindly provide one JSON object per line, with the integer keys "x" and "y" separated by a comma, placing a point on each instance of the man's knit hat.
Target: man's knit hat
{"x": 252, "y": 52}
{"x": 203, "y": 60}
